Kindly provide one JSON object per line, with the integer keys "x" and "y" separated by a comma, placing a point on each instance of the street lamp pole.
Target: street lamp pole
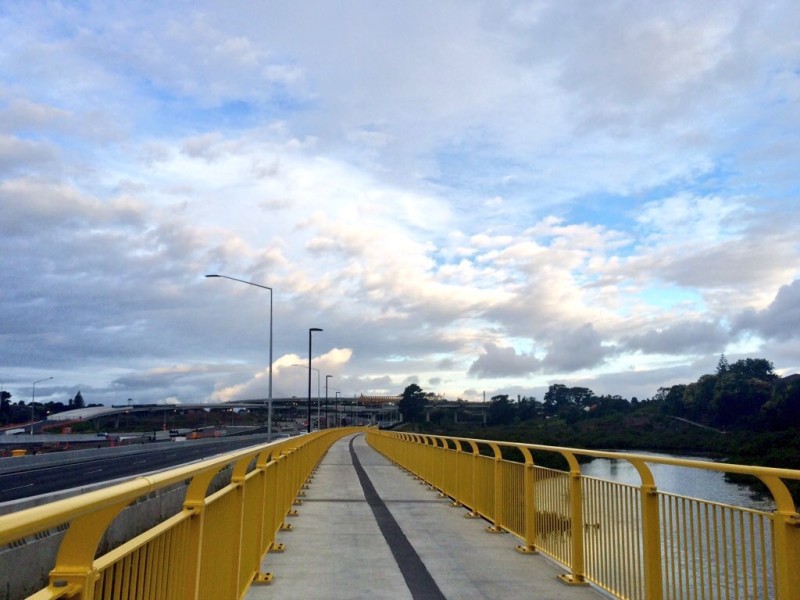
{"x": 269, "y": 399}
{"x": 310, "y": 331}
{"x": 336, "y": 404}
{"x": 326, "y": 400}
{"x": 33, "y": 398}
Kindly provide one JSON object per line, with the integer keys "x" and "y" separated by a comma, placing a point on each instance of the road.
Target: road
{"x": 52, "y": 478}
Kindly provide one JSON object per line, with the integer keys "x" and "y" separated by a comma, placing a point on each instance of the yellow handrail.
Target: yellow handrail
{"x": 211, "y": 548}
{"x": 635, "y": 542}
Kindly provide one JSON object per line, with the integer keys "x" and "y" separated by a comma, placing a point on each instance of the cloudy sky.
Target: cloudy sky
{"x": 478, "y": 196}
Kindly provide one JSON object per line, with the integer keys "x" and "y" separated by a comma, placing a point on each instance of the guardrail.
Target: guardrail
{"x": 211, "y": 548}
{"x": 634, "y": 542}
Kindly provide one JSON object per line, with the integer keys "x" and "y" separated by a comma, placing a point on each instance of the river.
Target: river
{"x": 695, "y": 483}
{"x": 708, "y": 551}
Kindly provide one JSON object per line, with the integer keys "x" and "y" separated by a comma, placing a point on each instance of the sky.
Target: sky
{"x": 479, "y": 197}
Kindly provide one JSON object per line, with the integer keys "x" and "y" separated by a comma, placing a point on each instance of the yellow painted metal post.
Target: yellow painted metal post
{"x": 651, "y": 532}
{"x": 195, "y": 503}
{"x": 651, "y": 543}
{"x": 497, "y": 483}
{"x": 786, "y": 528}
{"x": 529, "y": 504}
{"x": 236, "y": 522}
{"x": 474, "y": 484}
{"x": 577, "y": 576}
{"x": 457, "y": 483}
{"x": 74, "y": 564}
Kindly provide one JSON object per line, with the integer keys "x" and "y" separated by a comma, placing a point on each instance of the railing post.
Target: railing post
{"x": 498, "y": 518}
{"x": 194, "y": 502}
{"x": 651, "y": 532}
{"x": 236, "y": 524}
{"x": 786, "y": 528}
{"x": 74, "y": 567}
{"x": 529, "y": 504}
{"x": 577, "y": 576}
{"x": 651, "y": 543}
{"x": 457, "y": 499}
{"x": 473, "y": 512}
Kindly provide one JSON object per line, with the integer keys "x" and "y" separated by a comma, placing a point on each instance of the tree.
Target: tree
{"x": 754, "y": 368}
{"x": 671, "y": 398}
{"x": 698, "y": 398}
{"x": 527, "y": 408}
{"x": 723, "y": 366}
{"x": 78, "y": 401}
{"x": 501, "y": 411}
{"x": 5, "y": 406}
{"x": 743, "y": 390}
{"x": 412, "y": 406}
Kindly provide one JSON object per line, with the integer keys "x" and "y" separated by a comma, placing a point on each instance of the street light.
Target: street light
{"x": 318, "y": 387}
{"x": 310, "y": 331}
{"x": 326, "y": 400}
{"x": 33, "y": 398}
{"x": 336, "y": 404}
{"x": 269, "y": 399}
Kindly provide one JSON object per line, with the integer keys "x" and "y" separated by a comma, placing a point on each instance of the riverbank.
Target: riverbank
{"x": 644, "y": 430}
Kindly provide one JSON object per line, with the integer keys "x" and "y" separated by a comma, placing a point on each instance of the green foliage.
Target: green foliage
{"x": 412, "y": 405}
{"x": 743, "y": 412}
{"x": 501, "y": 411}
{"x": 77, "y": 402}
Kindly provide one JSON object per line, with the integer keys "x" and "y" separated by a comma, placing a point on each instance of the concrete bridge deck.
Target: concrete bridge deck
{"x": 367, "y": 529}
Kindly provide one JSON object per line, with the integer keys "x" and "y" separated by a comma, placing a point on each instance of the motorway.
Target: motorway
{"x": 34, "y": 481}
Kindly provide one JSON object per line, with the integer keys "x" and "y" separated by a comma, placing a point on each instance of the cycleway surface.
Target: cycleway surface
{"x": 368, "y": 529}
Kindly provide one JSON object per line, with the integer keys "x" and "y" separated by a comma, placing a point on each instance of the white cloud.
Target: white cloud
{"x": 522, "y": 192}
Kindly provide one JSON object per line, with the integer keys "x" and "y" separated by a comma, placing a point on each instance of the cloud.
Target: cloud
{"x": 499, "y": 361}
{"x": 518, "y": 192}
{"x": 581, "y": 348}
{"x": 780, "y": 320}
{"x": 701, "y": 337}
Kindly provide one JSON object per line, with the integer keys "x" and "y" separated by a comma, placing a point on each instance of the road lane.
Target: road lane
{"x": 25, "y": 483}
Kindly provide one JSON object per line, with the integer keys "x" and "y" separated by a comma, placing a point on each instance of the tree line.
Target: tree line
{"x": 20, "y": 412}
{"x": 746, "y": 394}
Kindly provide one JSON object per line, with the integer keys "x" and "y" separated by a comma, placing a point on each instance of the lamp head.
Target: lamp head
{"x": 315, "y": 329}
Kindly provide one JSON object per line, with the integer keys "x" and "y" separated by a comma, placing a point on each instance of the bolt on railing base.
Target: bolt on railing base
{"x": 495, "y": 529}
{"x": 568, "y": 579}
{"x": 262, "y": 579}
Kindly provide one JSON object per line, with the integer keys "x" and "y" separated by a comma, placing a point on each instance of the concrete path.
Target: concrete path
{"x": 369, "y": 530}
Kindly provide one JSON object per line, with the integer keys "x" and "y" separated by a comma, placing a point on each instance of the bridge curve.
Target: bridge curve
{"x": 340, "y": 547}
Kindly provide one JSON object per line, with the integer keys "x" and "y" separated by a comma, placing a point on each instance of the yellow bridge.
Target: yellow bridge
{"x": 365, "y": 529}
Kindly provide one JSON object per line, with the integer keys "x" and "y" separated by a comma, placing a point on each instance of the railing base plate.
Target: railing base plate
{"x": 527, "y": 550}
{"x": 570, "y": 580}
{"x": 278, "y": 548}
{"x": 495, "y": 529}
{"x": 262, "y": 579}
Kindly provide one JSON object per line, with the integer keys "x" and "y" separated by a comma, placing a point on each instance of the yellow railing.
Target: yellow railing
{"x": 211, "y": 548}
{"x": 634, "y": 542}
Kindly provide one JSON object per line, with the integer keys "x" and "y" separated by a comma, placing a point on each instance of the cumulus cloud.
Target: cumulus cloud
{"x": 517, "y": 192}
{"x": 702, "y": 337}
{"x": 580, "y": 348}
{"x": 778, "y": 321}
{"x": 499, "y": 361}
